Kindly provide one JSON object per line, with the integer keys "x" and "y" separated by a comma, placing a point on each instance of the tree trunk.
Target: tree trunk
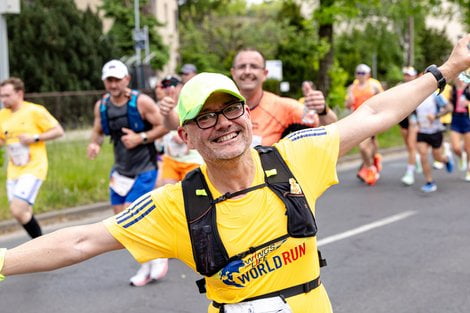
{"x": 325, "y": 32}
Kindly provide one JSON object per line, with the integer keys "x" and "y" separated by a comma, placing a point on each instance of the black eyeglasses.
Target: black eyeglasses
{"x": 231, "y": 112}
{"x": 361, "y": 73}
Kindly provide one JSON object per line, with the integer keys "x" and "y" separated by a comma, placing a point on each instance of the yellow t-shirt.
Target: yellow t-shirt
{"x": 30, "y": 119}
{"x": 155, "y": 227}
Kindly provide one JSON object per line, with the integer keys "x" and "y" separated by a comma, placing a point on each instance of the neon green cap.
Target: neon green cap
{"x": 195, "y": 92}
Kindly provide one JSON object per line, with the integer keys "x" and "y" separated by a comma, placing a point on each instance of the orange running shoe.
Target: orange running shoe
{"x": 362, "y": 173}
{"x": 372, "y": 176}
{"x": 378, "y": 162}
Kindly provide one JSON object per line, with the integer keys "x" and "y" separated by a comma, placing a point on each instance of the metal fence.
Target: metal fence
{"x": 73, "y": 109}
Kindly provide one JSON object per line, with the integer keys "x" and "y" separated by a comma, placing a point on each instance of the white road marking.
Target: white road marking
{"x": 364, "y": 228}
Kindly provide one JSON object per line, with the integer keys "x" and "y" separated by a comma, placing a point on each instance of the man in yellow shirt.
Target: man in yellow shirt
{"x": 24, "y": 128}
{"x": 262, "y": 260}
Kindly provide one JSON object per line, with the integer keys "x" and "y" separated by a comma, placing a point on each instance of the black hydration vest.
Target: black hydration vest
{"x": 209, "y": 252}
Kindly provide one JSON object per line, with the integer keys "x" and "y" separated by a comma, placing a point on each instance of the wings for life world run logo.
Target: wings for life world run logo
{"x": 260, "y": 264}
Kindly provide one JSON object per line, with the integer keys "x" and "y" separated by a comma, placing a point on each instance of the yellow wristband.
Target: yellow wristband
{"x": 2, "y": 260}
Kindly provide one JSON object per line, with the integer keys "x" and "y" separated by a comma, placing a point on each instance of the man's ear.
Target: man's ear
{"x": 183, "y": 133}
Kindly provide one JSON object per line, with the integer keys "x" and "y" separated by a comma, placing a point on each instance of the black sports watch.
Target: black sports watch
{"x": 441, "y": 81}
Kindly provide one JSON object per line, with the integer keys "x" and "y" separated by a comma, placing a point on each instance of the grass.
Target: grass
{"x": 75, "y": 180}
{"x": 72, "y": 179}
{"x": 388, "y": 139}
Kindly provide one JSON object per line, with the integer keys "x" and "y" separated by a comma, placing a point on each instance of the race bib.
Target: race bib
{"x": 267, "y": 305}
{"x": 121, "y": 184}
{"x": 18, "y": 153}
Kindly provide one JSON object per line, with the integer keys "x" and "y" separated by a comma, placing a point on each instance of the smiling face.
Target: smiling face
{"x": 227, "y": 140}
{"x": 249, "y": 71}
{"x": 115, "y": 86}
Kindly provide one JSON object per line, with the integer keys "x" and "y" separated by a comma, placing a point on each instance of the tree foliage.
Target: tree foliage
{"x": 122, "y": 14}
{"x": 210, "y": 37}
{"x": 211, "y": 40}
{"x": 53, "y": 46}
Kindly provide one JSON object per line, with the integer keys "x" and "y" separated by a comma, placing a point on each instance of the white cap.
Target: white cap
{"x": 409, "y": 70}
{"x": 114, "y": 68}
{"x": 363, "y": 68}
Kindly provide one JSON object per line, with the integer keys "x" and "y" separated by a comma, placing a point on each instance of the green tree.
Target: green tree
{"x": 56, "y": 47}
{"x": 435, "y": 47}
{"x": 122, "y": 14}
{"x": 301, "y": 49}
{"x": 211, "y": 40}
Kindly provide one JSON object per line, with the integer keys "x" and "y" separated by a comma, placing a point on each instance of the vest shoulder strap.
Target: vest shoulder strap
{"x": 197, "y": 197}
{"x": 208, "y": 249}
{"x": 274, "y": 166}
{"x": 135, "y": 120}
{"x": 104, "y": 113}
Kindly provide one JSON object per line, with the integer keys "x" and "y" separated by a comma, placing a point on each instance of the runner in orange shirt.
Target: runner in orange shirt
{"x": 272, "y": 116}
{"x": 363, "y": 88}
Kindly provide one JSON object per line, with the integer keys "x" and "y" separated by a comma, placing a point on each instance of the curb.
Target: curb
{"x": 79, "y": 212}
{"x": 66, "y": 214}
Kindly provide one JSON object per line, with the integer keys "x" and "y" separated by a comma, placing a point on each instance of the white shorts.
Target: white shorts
{"x": 25, "y": 187}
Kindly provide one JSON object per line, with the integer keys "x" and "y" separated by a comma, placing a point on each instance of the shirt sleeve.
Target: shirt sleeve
{"x": 312, "y": 154}
{"x": 44, "y": 119}
{"x": 147, "y": 227}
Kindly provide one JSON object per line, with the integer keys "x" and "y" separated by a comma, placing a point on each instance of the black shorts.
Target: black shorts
{"x": 434, "y": 140}
{"x": 405, "y": 123}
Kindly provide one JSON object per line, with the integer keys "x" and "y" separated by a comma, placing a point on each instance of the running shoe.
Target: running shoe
{"x": 372, "y": 176}
{"x": 437, "y": 165}
{"x": 142, "y": 277}
{"x": 429, "y": 187}
{"x": 467, "y": 176}
{"x": 159, "y": 268}
{"x": 362, "y": 174}
{"x": 450, "y": 164}
{"x": 408, "y": 179}
{"x": 378, "y": 162}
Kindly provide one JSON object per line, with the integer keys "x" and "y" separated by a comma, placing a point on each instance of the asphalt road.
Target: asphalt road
{"x": 389, "y": 248}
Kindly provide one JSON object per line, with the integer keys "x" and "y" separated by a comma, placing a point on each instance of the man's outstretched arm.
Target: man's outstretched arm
{"x": 386, "y": 109}
{"x": 59, "y": 249}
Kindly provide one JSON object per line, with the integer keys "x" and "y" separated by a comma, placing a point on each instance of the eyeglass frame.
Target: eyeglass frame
{"x": 361, "y": 73}
{"x": 217, "y": 113}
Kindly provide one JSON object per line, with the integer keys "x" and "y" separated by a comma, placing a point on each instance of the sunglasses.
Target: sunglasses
{"x": 361, "y": 73}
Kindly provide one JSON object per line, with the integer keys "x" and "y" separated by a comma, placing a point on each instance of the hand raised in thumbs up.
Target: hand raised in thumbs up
{"x": 168, "y": 103}
{"x": 314, "y": 99}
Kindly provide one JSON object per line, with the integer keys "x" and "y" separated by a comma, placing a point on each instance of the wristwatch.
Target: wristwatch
{"x": 144, "y": 137}
{"x": 36, "y": 138}
{"x": 441, "y": 81}
{"x": 325, "y": 111}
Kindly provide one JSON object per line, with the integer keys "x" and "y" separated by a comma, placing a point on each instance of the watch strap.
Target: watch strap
{"x": 325, "y": 111}
{"x": 441, "y": 81}
{"x": 144, "y": 137}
